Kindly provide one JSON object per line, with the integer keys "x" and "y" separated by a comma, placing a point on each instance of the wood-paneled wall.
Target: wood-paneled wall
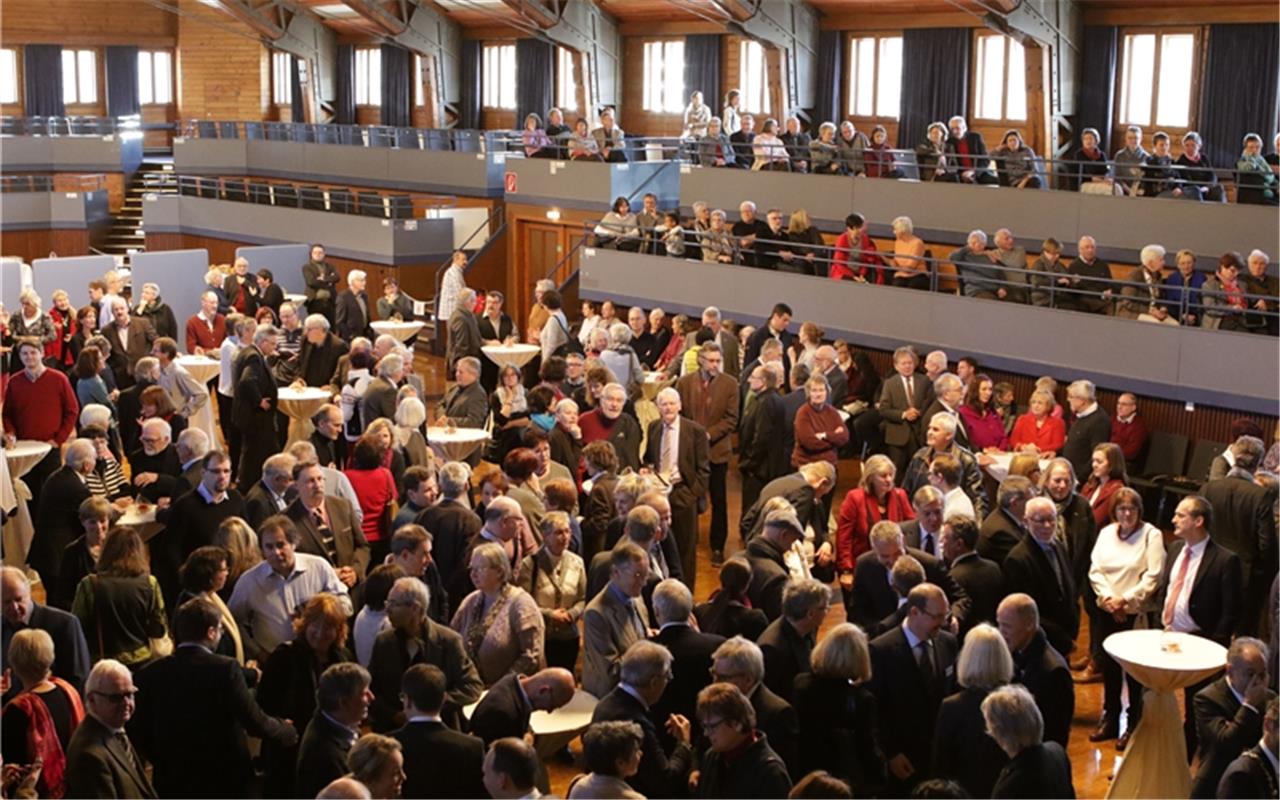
{"x": 224, "y": 71}
{"x": 87, "y": 22}
{"x": 29, "y": 245}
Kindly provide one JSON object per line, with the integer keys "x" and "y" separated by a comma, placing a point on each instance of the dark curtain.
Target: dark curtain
{"x": 295, "y": 89}
{"x": 1098, "y": 82}
{"x": 42, "y": 73}
{"x": 122, "y": 82}
{"x": 535, "y": 79}
{"x": 935, "y": 79}
{"x": 702, "y": 68}
{"x": 397, "y": 97}
{"x": 344, "y": 103}
{"x": 830, "y": 79}
{"x": 469, "y": 107}
{"x": 1239, "y": 92}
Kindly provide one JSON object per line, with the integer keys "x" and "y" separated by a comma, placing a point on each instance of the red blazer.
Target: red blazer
{"x": 848, "y": 264}
{"x": 198, "y": 334}
{"x": 1102, "y": 503}
{"x": 858, "y": 513}
{"x": 1051, "y": 437}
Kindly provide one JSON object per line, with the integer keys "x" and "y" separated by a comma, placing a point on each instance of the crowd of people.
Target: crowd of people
{"x": 382, "y": 622}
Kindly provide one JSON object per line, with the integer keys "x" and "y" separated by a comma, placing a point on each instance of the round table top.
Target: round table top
{"x": 305, "y": 393}
{"x": 198, "y": 361}
{"x": 573, "y": 716}
{"x": 510, "y": 349}
{"x": 655, "y": 377}
{"x": 27, "y": 448}
{"x": 392, "y": 325}
{"x": 458, "y": 435}
{"x": 295, "y": 298}
{"x": 138, "y": 514}
{"x": 1166, "y": 650}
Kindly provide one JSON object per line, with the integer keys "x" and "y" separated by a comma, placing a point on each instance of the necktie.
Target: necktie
{"x": 668, "y": 452}
{"x": 326, "y": 537}
{"x": 911, "y": 395}
{"x": 637, "y": 620}
{"x": 926, "y": 541}
{"x": 925, "y": 649}
{"x": 1055, "y": 558}
{"x": 1174, "y": 591}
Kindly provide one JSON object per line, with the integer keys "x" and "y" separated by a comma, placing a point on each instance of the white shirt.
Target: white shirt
{"x": 1182, "y": 620}
{"x": 227, "y": 354}
{"x": 1129, "y": 569}
{"x": 1092, "y": 408}
{"x": 957, "y": 502}
{"x": 452, "y": 283}
{"x": 369, "y": 624}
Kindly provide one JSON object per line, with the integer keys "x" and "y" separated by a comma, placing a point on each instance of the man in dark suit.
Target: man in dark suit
{"x": 415, "y": 639}
{"x": 1038, "y": 567}
{"x": 322, "y": 283}
{"x": 326, "y": 526}
{"x": 774, "y": 328}
{"x": 452, "y": 524}
{"x": 1253, "y": 774}
{"x": 464, "y": 332}
{"x": 192, "y": 447}
{"x": 788, "y": 642}
{"x": 196, "y": 712}
{"x": 710, "y": 398}
{"x": 1200, "y": 587}
{"x": 342, "y": 703}
{"x": 1229, "y": 712}
{"x": 1244, "y": 522}
{"x": 873, "y": 598}
{"x": 925, "y": 531}
{"x": 760, "y": 458}
{"x": 130, "y": 338}
{"x": 825, "y": 364}
{"x": 380, "y": 396}
{"x": 57, "y": 521}
{"x": 913, "y": 669}
{"x": 1090, "y": 426}
{"x": 267, "y": 496}
{"x": 948, "y": 393}
{"x": 70, "y": 650}
{"x": 1002, "y": 529}
{"x": 903, "y": 398}
{"x": 254, "y": 406}
{"x": 967, "y": 159}
{"x": 438, "y": 762}
{"x": 101, "y": 762}
{"x": 980, "y": 578}
{"x": 803, "y": 489}
{"x": 644, "y": 675}
{"x": 766, "y": 554}
{"x": 678, "y": 453}
{"x": 740, "y": 662}
{"x": 352, "y": 314}
{"x": 464, "y": 404}
{"x": 507, "y": 706}
{"x": 320, "y": 353}
{"x": 690, "y": 649}
{"x": 1037, "y": 665}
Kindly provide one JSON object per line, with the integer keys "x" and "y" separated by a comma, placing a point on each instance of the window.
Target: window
{"x": 875, "y": 76}
{"x": 499, "y": 76}
{"x": 753, "y": 78}
{"x": 369, "y": 76}
{"x": 566, "y": 87}
{"x": 1001, "y": 92}
{"x": 8, "y": 75}
{"x": 79, "y": 76}
{"x": 1156, "y": 78}
{"x": 155, "y": 77}
{"x": 282, "y": 78}
{"x": 664, "y": 77}
{"x": 419, "y": 83}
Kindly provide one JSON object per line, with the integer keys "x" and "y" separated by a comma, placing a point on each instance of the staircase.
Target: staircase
{"x": 126, "y": 234}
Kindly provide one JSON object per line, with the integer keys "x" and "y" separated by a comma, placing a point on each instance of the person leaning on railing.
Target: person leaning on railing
{"x": 1198, "y": 171}
{"x": 1182, "y": 290}
{"x": 931, "y": 154}
{"x": 536, "y": 142}
{"x": 851, "y": 145}
{"x": 717, "y": 243}
{"x": 714, "y": 149}
{"x": 1260, "y": 283}
{"x": 1256, "y": 173}
{"x": 824, "y": 155}
{"x": 1142, "y": 296}
{"x": 582, "y": 145}
{"x": 797, "y": 142}
{"x": 1042, "y": 271}
{"x": 1016, "y": 162}
{"x": 1091, "y": 171}
{"x": 1160, "y": 178}
{"x": 855, "y": 256}
{"x": 967, "y": 158}
{"x": 618, "y": 229}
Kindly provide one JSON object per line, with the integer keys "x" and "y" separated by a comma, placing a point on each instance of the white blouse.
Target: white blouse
{"x": 1128, "y": 568}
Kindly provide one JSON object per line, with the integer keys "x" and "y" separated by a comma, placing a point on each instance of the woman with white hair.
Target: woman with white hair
{"x": 621, "y": 360}
{"x": 565, "y": 438}
{"x": 962, "y": 751}
{"x": 411, "y": 415}
{"x": 1036, "y": 768}
{"x": 910, "y": 270}
{"x": 716, "y": 243}
{"x": 31, "y": 324}
{"x": 153, "y": 309}
{"x": 500, "y": 624}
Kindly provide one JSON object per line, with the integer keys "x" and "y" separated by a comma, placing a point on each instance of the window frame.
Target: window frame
{"x": 282, "y": 78}
{"x": 662, "y": 44}
{"x": 1004, "y": 119}
{"x": 1198, "y": 33}
{"x": 565, "y": 82}
{"x": 371, "y": 86}
{"x": 74, "y": 82}
{"x": 151, "y": 55}
{"x": 495, "y": 92}
{"x": 850, "y": 112}
{"x": 11, "y": 54}
{"x": 766, "y": 111}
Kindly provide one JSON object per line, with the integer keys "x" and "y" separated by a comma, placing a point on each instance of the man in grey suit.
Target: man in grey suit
{"x": 464, "y": 331}
{"x": 464, "y": 404}
{"x": 678, "y": 453}
{"x": 903, "y": 398}
{"x": 615, "y": 618}
{"x": 327, "y": 527}
{"x": 379, "y": 399}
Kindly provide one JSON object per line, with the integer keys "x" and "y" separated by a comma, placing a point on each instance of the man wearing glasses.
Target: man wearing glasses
{"x": 1039, "y": 567}
{"x": 101, "y": 761}
{"x": 740, "y": 662}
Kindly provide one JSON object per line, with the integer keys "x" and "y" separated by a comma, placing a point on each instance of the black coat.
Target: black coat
{"x": 660, "y": 774}
{"x": 1225, "y": 728}
{"x": 874, "y": 599}
{"x": 57, "y": 521}
{"x": 440, "y": 762}
{"x": 99, "y": 765}
{"x": 962, "y": 750}
{"x": 1084, "y": 434}
{"x": 503, "y": 711}
{"x": 1046, "y": 675}
{"x": 983, "y": 582}
{"x": 322, "y": 755}
{"x": 769, "y": 576}
{"x": 999, "y": 534}
{"x": 691, "y": 663}
{"x": 1028, "y": 569}
{"x": 1040, "y": 771}
{"x": 318, "y": 363}
{"x": 350, "y": 320}
{"x": 786, "y": 655}
{"x": 452, "y": 528}
{"x": 436, "y": 645}
{"x": 1251, "y": 775}
{"x": 908, "y": 702}
{"x": 1215, "y": 600}
{"x": 798, "y": 492}
{"x": 1244, "y": 522}
{"x": 761, "y": 430}
{"x": 839, "y": 732}
{"x": 757, "y": 771}
{"x": 727, "y": 617}
{"x": 259, "y": 504}
{"x": 193, "y": 725}
{"x": 254, "y": 384}
{"x": 70, "y": 650}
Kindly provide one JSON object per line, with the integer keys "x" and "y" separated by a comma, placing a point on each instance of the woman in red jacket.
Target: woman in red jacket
{"x": 856, "y": 258}
{"x": 1038, "y": 431}
{"x": 875, "y": 499}
{"x": 1107, "y": 477}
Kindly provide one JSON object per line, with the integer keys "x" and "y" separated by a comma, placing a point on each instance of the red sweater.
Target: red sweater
{"x": 199, "y": 335}
{"x": 809, "y": 423}
{"x": 376, "y": 489}
{"x": 44, "y": 409}
{"x": 1131, "y": 436}
{"x": 849, "y": 263}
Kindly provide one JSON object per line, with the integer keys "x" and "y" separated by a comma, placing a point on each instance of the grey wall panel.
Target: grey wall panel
{"x": 445, "y": 171}
{"x": 287, "y": 159}
{"x": 284, "y": 260}
{"x": 180, "y": 276}
{"x": 162, "y": 213}
{"x": 101, "y": 153}
{"x": 1204, "y": 228}
{"x": 426, "y": 241}
{"x": 26, "y": 153}
{"x": 1181, "y": 364}
{"x": 192, "y": 156}
{"x": 67, "y": 209}
{"x": 11, "y": 284}
{"x": 591, "y": 185}
{"x": 72, "y": 274}
{"x": 24, "y": 210}
{"x": 344, "y": 161}
{"x": 54, "y": 210}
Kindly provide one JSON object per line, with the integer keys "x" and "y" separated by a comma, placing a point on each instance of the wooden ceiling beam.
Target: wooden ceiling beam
{"x": 535, "y": 11}
{"x": 268, "y": 20}
{"x": 389, "y": 22}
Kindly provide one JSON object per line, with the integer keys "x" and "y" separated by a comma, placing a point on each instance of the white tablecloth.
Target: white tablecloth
{"x": 999, "y": 466}
{"x": 653, "y": 383}
{"x": 458, "y": 444}
{"x": 19, "y": 529}
{"x": 296, "y": 299}
{"x": 203, "y": 369}
{"x": 553, "y": 730}
{"x": 517, "y": 355}
{"x": 403, "y": 331}
{"x": 141, "y": 516}
{"x": 300, "y": 405}
{"x": 1155, "y": 762}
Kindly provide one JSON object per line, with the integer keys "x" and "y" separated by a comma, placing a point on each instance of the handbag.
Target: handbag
{"x": 160, "y": 646}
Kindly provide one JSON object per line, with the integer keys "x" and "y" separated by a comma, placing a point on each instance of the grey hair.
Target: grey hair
{"x": 1083, "y": 388}
{"x": 194, "y": 441}
{"x": 29, "y": 296}
{"x": 415, "y": 588}
{"x": 357, "y": 275}
{"x": 554, "y": 521}
{"x": 95, "y": 414}
{"x": 979, "y": 234}
{"x": 495, "y": 556}
{"x": 1013, "y": 719}
{"x": 79, "y": 453}
{"x": 410, "y": 413}
{"x": 1151, "y": 252}
{"x": 390, "y": 364}
{"x": 1236, "y": 650}
{"x": 668, "y": 393}
{"x": 544, "y": 284}
{"x": 619, "y": 334}
{"x": 945, "y": 381}
{"x": 644, "y": 661}
{"x": 719, "y": 213}
{"x": 711, "y": 312}
{"x": 147, "y": 365}
{"x": 155, "y": 423}
{"x": 613, "y": 387}
{"x": 303, "y": 450}
{"x": 672, "y": 601}
{"x": 454, "y": 479}
{"x": 903, "y": 224}
{"x": 102, "y": 672}
{"x": 470, "y": 362}
{"x": 743, "y": 654}
{"x": 567, "y": 403}
{"x": 315, "y": 321}
{"x": 699, "y": 205}
{"x": 1256, "y": 253}
{"x": 802, "y": 596}
{"x": 945, "y": 421}
{"x": 340, "y": 681}
{"x": 984, "y": 662}
{"x": 277, "y": 465}
{"x": 265, "y": 333}
{"x": 386, "y": 340}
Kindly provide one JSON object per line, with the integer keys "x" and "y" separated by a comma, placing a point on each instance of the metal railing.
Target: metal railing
{"x": 1056, "y": 288}
{"x": 62, "y": 182}
{"x": 494, "y": 226}
{"x": 443, "y": 139}
{"x": 69, "y": 125}
{"x": 289, "y": 195}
